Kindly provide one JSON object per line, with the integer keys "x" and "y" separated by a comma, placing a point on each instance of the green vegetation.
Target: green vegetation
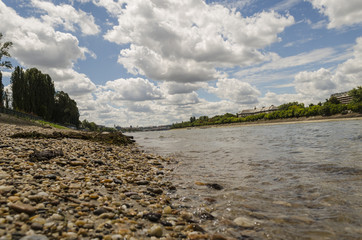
{"x": 4, "y": 51}
{"x": 93, "y": 127}
{"x": 54, "y": 125}
{"x": 289, "y": 110}
{"x": 33, "y": 92}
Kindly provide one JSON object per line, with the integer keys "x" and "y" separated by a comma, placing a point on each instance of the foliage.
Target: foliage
{"x": 65, "y": 109}
{"x": 288, "y": 110}
{"x": 4, "y": 51}
{"x": 93, "y": 127}
{"x": 356, "y": 94}
{"x": 1, "y": 90}
{"x": 33, "y": 92}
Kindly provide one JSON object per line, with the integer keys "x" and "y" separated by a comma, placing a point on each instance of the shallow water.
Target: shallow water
{"x": 295, "y": 181}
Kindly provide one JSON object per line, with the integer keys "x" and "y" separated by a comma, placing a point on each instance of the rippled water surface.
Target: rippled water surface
{"x": 296, "y": 181}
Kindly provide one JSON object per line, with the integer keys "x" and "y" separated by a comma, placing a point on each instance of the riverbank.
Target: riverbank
{"x": 338, "y": 117}
{"x": 68, "y": 188}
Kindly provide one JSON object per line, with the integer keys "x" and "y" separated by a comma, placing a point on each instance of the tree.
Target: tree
{"x": 192, "y": 119}
{"x": 1, "y": 90}
{"x": 65, "y": 109}
{"x": 4, "y": 51}
{"x": 20, "y": 90}
{"x": 356, "y": 94}
{"x": 333, "y": 100}
{"x": 33, "y": 92}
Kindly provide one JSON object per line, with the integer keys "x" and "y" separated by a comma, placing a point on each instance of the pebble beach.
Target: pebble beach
{"x": 66, "y": 188}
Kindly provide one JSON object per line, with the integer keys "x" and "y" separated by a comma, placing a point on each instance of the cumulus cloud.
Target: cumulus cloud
{"x": 340, "y": 14}
{"x": 236, "y": 91}
{"x": 318, "y": 83}
{"x": 37, "y": 44}
{"x": 185, "y": 41}
{"x": 179, "y": 88}
{"x": 132, "y": 89}
{"x": 66, "y": 16}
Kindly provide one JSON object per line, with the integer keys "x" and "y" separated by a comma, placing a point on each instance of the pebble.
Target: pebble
{"x": 19, "y": 207}
{"x": 244, "y": 222}
{"x": 156, "y": 231}
{"x": 77, "y": 189}
{"x": 35, "y": 237}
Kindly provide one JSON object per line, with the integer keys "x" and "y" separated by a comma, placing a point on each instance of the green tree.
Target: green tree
{"x": 65, "y": 109}
{"x": 1, "y": 90}
{"x": 334, "y": 100}
{"x": 4, "y": 51}
{"x": 356, "y": 94}
{"x": 20, "y": 90}
{"x": 33, "y": 92}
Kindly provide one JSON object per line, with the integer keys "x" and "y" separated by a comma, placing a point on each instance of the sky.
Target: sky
{"x": 157, "y": 62}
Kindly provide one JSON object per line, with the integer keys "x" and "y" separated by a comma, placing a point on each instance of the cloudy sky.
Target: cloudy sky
{"x": 154, "y": 62}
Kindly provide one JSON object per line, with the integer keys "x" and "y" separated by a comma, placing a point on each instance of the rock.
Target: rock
{"x": 35, "y": 237}
{"x": 25, "y": 208}
{"x": 51, "y": 176}
{"x": 143, "y": 182}
{"x": 156, "y": 231}
{"x": 244, "y": 222}
{"x": 155, "y": 190}
{"x": 100, "y": 211}
{"x": 218, "y": 237}
{"x": 215, "y": 186}
{"x": 107, "y": 215}
{"x": 5, "y": 189}
{"x": 167, "y": 210}
{"x": 196, "y": 235}
{"x": 36, "y": 226}
{"x": 206, "y": 216}
{"x": 56, "y": 217}
{"x": 45, "y": 155}
{"x": 153, "y": 217}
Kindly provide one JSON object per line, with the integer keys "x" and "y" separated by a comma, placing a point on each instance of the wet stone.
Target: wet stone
{"x": 153, "y": 217}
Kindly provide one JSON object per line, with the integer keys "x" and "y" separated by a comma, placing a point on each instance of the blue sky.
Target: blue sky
{"x": 153, "y": 62}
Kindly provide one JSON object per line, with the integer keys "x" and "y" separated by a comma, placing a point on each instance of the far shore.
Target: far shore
{"x": 338, "y": 117}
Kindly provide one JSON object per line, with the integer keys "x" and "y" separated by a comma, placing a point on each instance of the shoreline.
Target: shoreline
{"x": 339, "y": 117}
{"x": 65, "y": 188}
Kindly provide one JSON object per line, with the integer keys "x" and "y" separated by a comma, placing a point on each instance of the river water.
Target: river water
{"x": 293, "y": 181}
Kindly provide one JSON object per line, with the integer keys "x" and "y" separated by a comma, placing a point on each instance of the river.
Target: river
{"x": 292, "y": 181}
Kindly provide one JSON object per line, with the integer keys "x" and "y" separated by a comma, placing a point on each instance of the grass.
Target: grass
{"x": 44, "y": 123}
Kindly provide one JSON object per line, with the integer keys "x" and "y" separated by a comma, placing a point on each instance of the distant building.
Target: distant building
{"x": 343, "y": 97}
{"x": 254, "y": 111}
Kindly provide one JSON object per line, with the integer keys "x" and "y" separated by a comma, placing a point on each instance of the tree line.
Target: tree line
{"x": 330, "y": 107}
{"x": 33, "y": 92}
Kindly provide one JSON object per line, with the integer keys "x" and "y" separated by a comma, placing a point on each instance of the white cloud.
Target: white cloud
{"x": 340, "y": 14}
{"x": 68, "y": 17}
{"x": 132, "y": 89}
{"x": 35, "y": 43}
{"x": 318, "y": 83}
{"x": 179, "y": 88}
{"x": 236, "y": 91}
{"x": 185, "y": 41}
